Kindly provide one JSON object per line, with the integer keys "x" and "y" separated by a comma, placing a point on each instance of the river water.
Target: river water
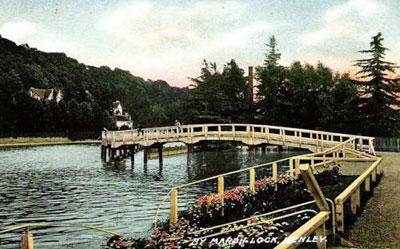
{"x": 70, "y": 184}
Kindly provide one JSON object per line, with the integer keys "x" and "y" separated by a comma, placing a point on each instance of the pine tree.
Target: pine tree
{"x": 379, "y": 102}
{"x": 272, "y": 56}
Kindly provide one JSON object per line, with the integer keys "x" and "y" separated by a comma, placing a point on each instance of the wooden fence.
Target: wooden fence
{"x": 387, "y": 144}
{"x": 305, "y": 165}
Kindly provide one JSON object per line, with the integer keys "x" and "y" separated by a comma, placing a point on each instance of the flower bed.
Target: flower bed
{"x": 239, "y": 203}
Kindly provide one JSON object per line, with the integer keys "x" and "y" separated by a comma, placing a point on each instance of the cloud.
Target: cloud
{"x": 18, "y": 31}
{"x": 170, "y": 36}
{"x": 349, "y": 20}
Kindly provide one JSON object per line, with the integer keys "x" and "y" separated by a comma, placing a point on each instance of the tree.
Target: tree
{"x": 272, "y": 56}
{"x": 235, "y": 89}
{"x": 217, "y": 97}
{"x": 379, "y": 102}
{"x": 272, "y": 94}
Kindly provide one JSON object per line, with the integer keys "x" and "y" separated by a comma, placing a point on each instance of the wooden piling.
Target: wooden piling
{"x": 189, "y": 154}
{"x": 160, "y": 154}
{"x": 126, "y": 151}
{"x": 146, "y": 153}
{"x": 250, "y": 149}
{"x": 263, "y": 148}
{"x": 132, "y": 154}
{"x": 113, "y": 152}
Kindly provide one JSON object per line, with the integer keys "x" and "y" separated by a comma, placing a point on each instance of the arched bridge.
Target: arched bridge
{"x": 249, "y": 134}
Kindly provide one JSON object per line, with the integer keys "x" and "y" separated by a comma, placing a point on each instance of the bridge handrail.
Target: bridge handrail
{"x": 188, "y": 132}
{"x": 303, "y": 157}
{"x": 245, "y": 125}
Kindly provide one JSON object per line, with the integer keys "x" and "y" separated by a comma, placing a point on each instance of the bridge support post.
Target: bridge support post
{"x": 146, "y": 153}
{"x": 132, "y": 148}
{"x": 126, "y": 151}
{"x": 250, "y": 149}
{"x": 263, "y": 148}
{"x": 103, "y": 154}
{"x": 189, "y": 154}
{"x": 160, "y": 154}
{"x": 113, "y": 150}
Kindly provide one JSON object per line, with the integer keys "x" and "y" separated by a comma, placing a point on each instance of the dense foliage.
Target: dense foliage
{"x": 305, "y": 96}
{"x": 218, "y": 97}
{"x": 88, "y": 93}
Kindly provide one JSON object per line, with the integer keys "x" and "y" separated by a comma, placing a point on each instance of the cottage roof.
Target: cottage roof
{"x": 42, "y": 93}
{"x": 116, "y": 104}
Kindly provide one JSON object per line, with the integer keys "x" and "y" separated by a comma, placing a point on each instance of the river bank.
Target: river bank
{"x": 42, "y": 141}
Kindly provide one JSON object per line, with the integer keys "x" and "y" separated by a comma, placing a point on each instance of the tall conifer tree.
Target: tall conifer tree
{"x": 379, "y": 100}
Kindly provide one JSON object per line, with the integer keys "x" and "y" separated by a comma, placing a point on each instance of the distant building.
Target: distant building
{"x": 121, "y": 118}
{"x": 45, "y": 94}
{"x": 117, "y": 108}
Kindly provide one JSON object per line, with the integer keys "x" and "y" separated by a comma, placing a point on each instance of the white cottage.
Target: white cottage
{"x": 45, "y": 94}
{"x": 121, "y": 118}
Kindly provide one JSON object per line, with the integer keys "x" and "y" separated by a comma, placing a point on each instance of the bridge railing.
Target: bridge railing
{"x": 318, "y": 161}
{"x": 213, "y": 131}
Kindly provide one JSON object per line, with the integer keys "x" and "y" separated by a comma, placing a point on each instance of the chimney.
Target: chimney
{"x": 250, "y": 82}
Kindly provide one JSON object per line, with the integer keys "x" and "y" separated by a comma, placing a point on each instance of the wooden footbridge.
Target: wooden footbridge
{"x": 327, "y": 149}
{"x": 116, "y": 144}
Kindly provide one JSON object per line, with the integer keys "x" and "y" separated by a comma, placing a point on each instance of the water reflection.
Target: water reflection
{"x": 71, "y": 184}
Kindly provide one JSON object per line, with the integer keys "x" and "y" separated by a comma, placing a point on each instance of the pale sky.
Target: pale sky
{"x": 160, "y": 39}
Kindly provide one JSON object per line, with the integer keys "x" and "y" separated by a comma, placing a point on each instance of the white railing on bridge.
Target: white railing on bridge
{"x": 186, "y": 133}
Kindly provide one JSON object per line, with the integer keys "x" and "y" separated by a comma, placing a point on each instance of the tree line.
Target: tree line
{"x": 299, "y": 95}
{"x": 88, "y": 93}
{"x": 303, "y": 95}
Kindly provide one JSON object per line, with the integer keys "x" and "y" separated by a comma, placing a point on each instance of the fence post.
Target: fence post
{"x": 355, "y": 201}
{"x": 252, "y": 180}
{"x": 275, "y": 172}
{"x": 174, "y": 206}
{"x": 320, "y": 233}
{"x": 297, "y": 167}
{"x": 367, "y": 184}
{"x": 291, "y": 168}
{"x": 374, "y": 175}
{"x": 27, "y": 240}
{"x": 221, "y": 190}
{"x": 340, "y": 217}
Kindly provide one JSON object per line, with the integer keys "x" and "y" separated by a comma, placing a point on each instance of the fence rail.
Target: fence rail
{"x": 305, "y": 165}
{"x": 391, "y": 144}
